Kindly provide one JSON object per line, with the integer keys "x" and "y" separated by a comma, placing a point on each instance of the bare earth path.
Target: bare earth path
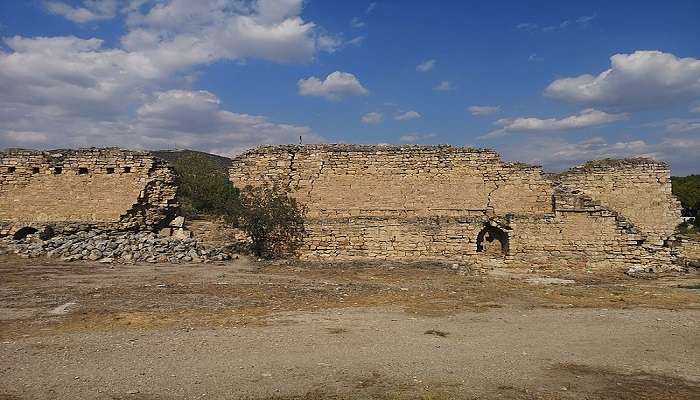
{"x": 243, "y": 330}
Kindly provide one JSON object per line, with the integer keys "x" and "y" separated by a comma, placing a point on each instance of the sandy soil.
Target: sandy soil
{"x": 313, "y": 331}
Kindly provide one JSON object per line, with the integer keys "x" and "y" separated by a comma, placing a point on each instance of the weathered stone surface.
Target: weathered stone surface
{"x": 76, "y": 190}
{"x": 442, "y": 202}
{"x": 123, "y": 247}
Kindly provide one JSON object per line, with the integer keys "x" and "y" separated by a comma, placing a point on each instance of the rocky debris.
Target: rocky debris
{"x": 119, "y": 247}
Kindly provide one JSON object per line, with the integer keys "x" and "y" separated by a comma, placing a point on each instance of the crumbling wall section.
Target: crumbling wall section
{"x": 72, "y": 189}
{"x": 637, "y": 188}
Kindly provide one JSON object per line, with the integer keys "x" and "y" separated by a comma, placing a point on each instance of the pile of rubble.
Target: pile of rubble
{"x": 124, "y": 247}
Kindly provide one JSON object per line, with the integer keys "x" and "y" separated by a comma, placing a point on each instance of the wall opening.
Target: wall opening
{"x": 57, "y": 170}
{"x": 492, "y": 240}
{"x": 24, "y": 232}
{"x": 35, "y": 170}
{"x": 82, "y": 171}
{"x": 127, "y": 170}
{"x": 110, "y": 170}
{"x": 11, "y": 169}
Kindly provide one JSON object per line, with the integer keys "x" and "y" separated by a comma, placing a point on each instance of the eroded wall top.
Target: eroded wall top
{"x": 418, "y": 180}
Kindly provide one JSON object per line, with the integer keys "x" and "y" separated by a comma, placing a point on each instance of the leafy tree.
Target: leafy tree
{"x": 204, "y": 188}
{"x": 687, "y": 190}
{"x": 273, "y": 220}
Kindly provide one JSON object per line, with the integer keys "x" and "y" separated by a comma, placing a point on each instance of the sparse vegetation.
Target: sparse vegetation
{"x": 687, "y": 190}
{"x": 205, "y": 189}
{"x": 273, "y": 220}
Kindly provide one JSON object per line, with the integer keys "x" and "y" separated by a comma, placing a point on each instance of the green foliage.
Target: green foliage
{"x": 273, "y": 220}
{"x": 204, "y": 188}
{"x": 687, "y": 190}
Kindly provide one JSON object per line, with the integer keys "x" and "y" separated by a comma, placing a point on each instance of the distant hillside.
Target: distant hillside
{"x": 173, "y": 155}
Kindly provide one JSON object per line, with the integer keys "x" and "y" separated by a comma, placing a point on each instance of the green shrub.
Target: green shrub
{"x": 273, "y": 220}
{"x": 204, "y": 189}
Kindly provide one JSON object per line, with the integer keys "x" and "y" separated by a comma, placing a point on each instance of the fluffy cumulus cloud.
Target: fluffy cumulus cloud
{"x": 641, "y": 80}
{"x": 483, "y": 110}
{"x": 336, "y": 85}
{"x": 68, "y": 91}
{"x": 91, "y": 10}
{"x": 189, "y": 119}
{"x": 372, "y": 118}
{"x": 426, "y": 66}
{"x": 584, "y": 119}
{"x": 406, "y": 116}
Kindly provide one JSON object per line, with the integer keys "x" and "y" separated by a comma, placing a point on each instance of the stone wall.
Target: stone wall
{"x": 67, "y": 189}
{"x": 352, "y": 180}
{"x": 638, "y": 188}
{"x": 441, "y": 202}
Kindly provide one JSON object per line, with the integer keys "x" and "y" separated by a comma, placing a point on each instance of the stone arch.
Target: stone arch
{"x": 492, "y": 240}
{"x": 24, "y": 232}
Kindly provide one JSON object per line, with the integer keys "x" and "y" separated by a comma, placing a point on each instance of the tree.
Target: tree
{"x": 273, "y": 220}
{"x": 204, "y": 188}
{"x": 687, "y": 190}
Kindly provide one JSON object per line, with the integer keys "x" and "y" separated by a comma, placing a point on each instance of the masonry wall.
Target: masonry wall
{"x": 639, "y": 189}
{"x": 107, "y": 187}
{"x": 434, "y": 202}
{"x": 351, "y": 180}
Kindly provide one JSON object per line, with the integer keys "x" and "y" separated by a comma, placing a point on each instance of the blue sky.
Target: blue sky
{"x": 545, "y": 82}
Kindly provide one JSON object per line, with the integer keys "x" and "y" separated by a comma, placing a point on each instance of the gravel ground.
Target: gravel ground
{"x": 260, "y": 331}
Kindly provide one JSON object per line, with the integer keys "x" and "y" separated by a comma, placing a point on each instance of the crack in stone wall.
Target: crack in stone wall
{"x": 415, "y": 202}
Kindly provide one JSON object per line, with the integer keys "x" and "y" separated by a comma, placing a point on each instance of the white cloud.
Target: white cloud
{"x": 357, "y": 41}
{"x": 406, "y": 116}
{"x": 91, "y": 10}
{"x": 483, "y": 110}
{"x": 66, "y": 91}
{"x": 678, "y": 125}
{"x": 444, "y": 86}
{"x": 641, "y": 80}
{"x": 556, "y": 153}
{"x": 328, "y": 44}
{"x": 535, "y": 58}
{"x": 416, "y": 137}
{"x": 26, "y": 137}
{"x": 357, "y": 23}
{"x": 371, "y": 7}
{"x": 372, "y": 118}
{"x": 426, "y": 66}
{"x": 584, "y": 119}
{"x": 336, "y": 85}
{"x": 194, "y": 119}
{"x": 526, "y": 26}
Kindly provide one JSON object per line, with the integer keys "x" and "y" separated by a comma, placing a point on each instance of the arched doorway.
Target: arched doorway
{"x": 24, "y": 232}
{"x": 492, "y": 240}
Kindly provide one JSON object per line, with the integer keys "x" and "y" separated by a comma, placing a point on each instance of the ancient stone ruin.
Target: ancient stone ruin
{"x": 73, "y": 190}
{"x": 94, "y": 204}
{"x": 363, "y": 202}
{"x": 442, "y": 202}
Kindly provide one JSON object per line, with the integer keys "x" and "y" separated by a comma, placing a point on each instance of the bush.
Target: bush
{"x": 204, "y": 188}
{"x": 687, "y": 190}
{"x": 273, "y": 220}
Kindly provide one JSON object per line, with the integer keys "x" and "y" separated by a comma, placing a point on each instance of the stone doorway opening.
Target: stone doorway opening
{"x": 24, "y": 232}
{"x": 492, "y": 241}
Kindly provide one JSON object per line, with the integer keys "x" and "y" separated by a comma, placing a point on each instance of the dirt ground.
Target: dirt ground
{"x": 247, "y": 330}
